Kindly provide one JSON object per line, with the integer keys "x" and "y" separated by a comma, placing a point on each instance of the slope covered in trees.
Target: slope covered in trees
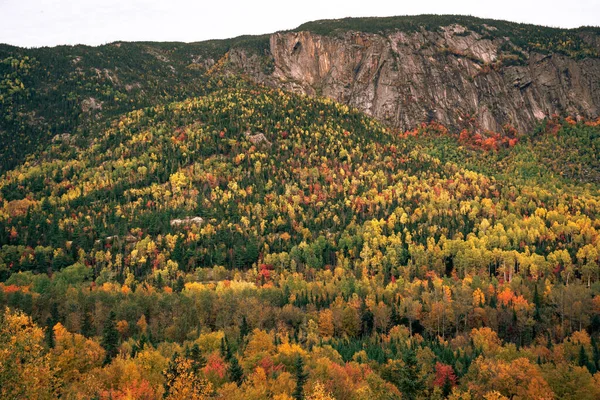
{"x": 46, "y": 92}
{"x": 250, "y": 243}
{"x": 528, "y": 37}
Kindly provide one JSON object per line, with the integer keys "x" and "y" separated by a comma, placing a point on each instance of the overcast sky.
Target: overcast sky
{"x": 52, "y": 22}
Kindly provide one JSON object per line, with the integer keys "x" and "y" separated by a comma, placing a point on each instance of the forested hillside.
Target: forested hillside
{"x": 403, "y": 70}
{"x": 201, "y": 236}
{"x": 208, "y": 245}
{"x": 46, "y": 92}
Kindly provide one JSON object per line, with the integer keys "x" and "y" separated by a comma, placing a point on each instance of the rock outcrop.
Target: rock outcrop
{"x": 453, "y": 75}
{"x": 258, "y": 139}
{"x": 187, "y": 221}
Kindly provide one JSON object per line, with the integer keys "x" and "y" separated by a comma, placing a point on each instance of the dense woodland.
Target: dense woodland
{"x": 247, "y": 243}
{"x": 526, "y": 37}
{"x": 45, "y": 92}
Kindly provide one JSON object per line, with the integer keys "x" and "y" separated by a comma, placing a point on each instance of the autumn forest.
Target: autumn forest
{"x": 230, "y": 240}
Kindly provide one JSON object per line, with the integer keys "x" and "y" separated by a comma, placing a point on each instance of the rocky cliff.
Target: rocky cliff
{"x": 453, "y": 75}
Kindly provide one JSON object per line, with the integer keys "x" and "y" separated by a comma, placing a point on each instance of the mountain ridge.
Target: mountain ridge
{"x": 46, "y": 92}
{"x": 186, "y": 228}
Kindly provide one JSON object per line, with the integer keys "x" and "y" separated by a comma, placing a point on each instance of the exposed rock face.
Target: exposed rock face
{"x": 258, "y": 139}
{"x": 187, "y": 221}
{"x": 63, "y": 137}
{"x": 90, "y": 104}
{"x": 448, "y": 76}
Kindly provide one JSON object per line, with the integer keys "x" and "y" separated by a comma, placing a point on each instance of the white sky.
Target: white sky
{"x": 51, "y": 22}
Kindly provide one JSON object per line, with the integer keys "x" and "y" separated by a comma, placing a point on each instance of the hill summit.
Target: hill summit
{"x": 464, "y": 72}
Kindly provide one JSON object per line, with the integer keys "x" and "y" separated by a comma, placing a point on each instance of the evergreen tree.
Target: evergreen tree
{"x": 225, "y": 349}
{"x": 179, "y": 285}
{"x": 54, "y": 313}
{"x": 584, "y": 360}
{"x": 178, "y": 250}
{"x": 549, "y": 343}
{"x": 235, "y": 371}
{"x": 170, "y": 374}
{"x": 198, "y": 361}
{"x": 596, "y": 354}
{"x": 244, "y": 328}
{"x": 537, "y": 303}
{"x": 367, "y": 322}
{"x": 49, "y": 333}
{"x": 87, "y": 329}
{"x": 447, "y": 388}
{"x": 110, "y": 338}
{"x": 301, "y": 378}
{"x": 407, "y": 378}
{"x": 139, "y": 345}
{"x": 159, "y": 281}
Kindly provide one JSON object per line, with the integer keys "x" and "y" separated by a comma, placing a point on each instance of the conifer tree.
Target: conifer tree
{"x": 301, "y": 378}
{"x": 87, "y": 329}
{"x": 49, "y": 333}
{"x": 179, "y": 285}
{"x": 194, "y": 354}
{"x": 244, "y": 328}
{"x": 110, "y": 338}
{"x": 235, "y": 371}
{"x": 170, "y": 374}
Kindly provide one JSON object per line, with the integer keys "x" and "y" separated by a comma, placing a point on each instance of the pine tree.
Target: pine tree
{"x": 179, "y": 285}
{"x": 410, "y": 383}
{"x": 110, "y": 338}
{"x": 198, "y": 361}
{"x": 49, "y": 334}
{"x": 171, "y": 373}
{"x": 549, "y": 343}
{"x": 584, "y": 360}
{"x": 596, "y": 354}
{"x": 537, "y": 302}
{"x": 87, "y": 329}
{"x": 244, "y": 328}
{"x": 235, "y": 371}
{"x": 225, "y": 349}
{"x": 55, "y": 314}
{"x": 301, "y": 378}
{"x": 178, "y": 250}
{"x": 447, "y": 388}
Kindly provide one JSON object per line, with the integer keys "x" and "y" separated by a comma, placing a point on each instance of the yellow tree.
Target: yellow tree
{"x": 73, "y": 355}
{"x": 24, "y": 367}
{"x": 326, "y": 328}
{"x": 185, "y": 384}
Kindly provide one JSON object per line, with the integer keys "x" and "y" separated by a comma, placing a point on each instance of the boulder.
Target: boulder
{"x": 257, "y": 139}
{"x": 187, "y": 221}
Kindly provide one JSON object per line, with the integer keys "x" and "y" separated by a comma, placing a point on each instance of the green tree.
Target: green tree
{"x": 198, "y": 361}
{"x": 110, "y": 338}
{"x": 301, "y": 378}
{"x": 87, "y": 328}
{"x": 244, "y": 328}
{"x": 49, "y": 333}
{"x": 405, "y": 374}
{"x": 235, "y": 371}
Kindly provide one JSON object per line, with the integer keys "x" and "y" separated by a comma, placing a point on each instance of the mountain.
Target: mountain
{"x": 406, "y": 70}
{"x": 463, "y": 72}
{"x": 46, "y": 92}
{"x": 175, "y": 224}
{"x": 284, "y": 226}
